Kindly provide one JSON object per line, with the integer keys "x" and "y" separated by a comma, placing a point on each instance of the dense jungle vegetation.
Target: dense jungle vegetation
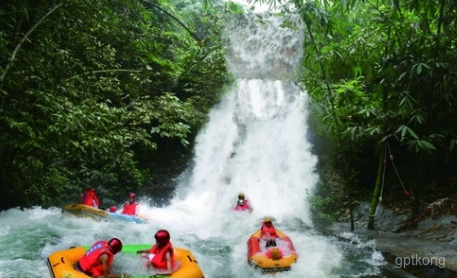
{"x": 111, "y": 93}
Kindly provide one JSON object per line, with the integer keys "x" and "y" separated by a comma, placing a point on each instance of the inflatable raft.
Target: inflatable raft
{"x": 271, "y": 259}
{"x": 61, "y": 263}
{"x": 98, "y": 214}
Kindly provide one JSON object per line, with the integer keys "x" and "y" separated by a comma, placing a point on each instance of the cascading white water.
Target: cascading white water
{"x": 256, "y": 139}
{"x": 256, "y": 143}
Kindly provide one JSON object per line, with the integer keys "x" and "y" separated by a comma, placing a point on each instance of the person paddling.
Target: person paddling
{"x": 268, "y": 232}
{"x": 89, "y": 198}
{"x": 161, "y": 255}
{"x": 131, "y": 207}
{"x": 97, "y": 261}
{"x": 242, "y": 204}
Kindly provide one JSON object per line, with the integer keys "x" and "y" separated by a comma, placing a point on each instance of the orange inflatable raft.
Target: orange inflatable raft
{"x": 271, "y": 259}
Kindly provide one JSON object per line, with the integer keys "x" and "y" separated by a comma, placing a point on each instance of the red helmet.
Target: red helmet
{"x": 132, "y": 195}
{"x": 162, "y": 236}
{"x": 115, "y": 245}
{"x": 112, "y": 209}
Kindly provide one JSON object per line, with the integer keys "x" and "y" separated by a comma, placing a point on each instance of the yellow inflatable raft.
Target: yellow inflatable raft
{"x": 61, "y": 264}
{"x": 271, "y": 259}
{"x": 98, "y": 214}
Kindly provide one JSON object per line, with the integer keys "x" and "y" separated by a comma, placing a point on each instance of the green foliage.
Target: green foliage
{"x": 399, "y": 59}
{"x": 99, "y": 93}
{"x": 322, "y": 203}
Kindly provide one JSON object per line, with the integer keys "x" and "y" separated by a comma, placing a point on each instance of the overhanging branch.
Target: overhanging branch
{"x": 173, "y": 17}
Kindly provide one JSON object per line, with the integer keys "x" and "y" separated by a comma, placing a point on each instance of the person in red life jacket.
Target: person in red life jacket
{"x": 131, "y": 207}
{"x": 97, "y": 261}
{"x": 161, "y": 255}
{"x": 89, "y": 198}
{"x": 274, "y": 253}
{"x": 268, "y": 232}
{"x": 242, "y": 204}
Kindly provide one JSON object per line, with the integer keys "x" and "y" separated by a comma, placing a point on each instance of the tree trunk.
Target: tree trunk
{"x": 375, "y": 199}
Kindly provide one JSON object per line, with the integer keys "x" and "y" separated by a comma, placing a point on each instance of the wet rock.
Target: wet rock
{"x": 427, "y": 251}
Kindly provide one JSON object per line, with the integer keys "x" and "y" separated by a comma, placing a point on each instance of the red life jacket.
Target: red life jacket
{"x": 89, "y": 262}
{"x": 160, "y": 261}
{"x": 271, "y": 230}
{"x": 244, "y": 207}
{"x": 130, "y": 209}
{"x": 88, "y": 198}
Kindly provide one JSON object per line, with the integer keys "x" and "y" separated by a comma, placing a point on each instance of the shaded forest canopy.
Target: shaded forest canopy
{"x": 110, "y": 94}
{"x": 104, "y": 94}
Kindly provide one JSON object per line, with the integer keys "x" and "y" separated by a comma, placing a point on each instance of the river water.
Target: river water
{"x": 256, "y": 143}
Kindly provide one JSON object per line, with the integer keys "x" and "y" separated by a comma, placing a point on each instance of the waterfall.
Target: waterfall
{"x": 256, "y": 139}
